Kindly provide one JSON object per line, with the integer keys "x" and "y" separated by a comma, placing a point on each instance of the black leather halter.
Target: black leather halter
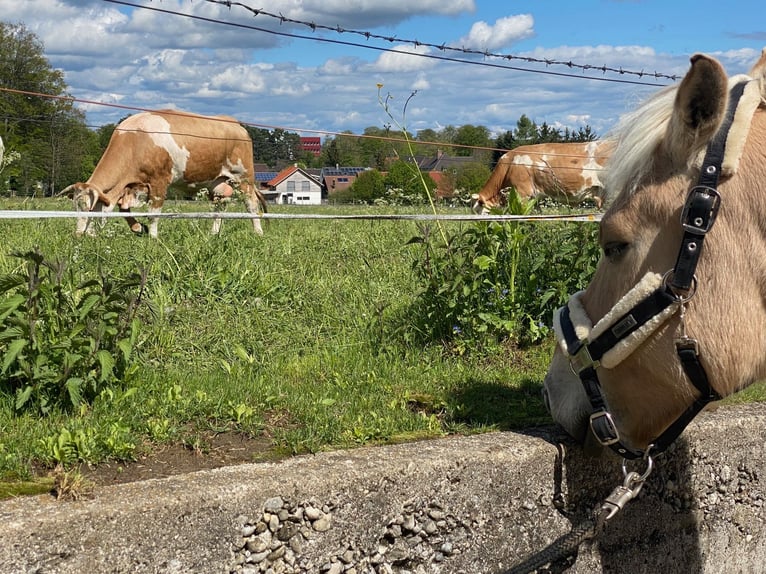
{"x": 678, "y": 287}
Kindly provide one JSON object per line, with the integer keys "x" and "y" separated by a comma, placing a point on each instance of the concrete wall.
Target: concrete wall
{"x": 461, "y": 504}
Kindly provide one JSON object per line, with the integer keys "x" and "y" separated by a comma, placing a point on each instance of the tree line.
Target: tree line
{"x": 49, "y": 144}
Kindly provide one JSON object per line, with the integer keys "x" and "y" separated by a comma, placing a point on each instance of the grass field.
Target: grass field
{"x": 290, "y": 338}
{"x": 282, "y": 336}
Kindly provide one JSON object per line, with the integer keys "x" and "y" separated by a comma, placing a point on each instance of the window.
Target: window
{"x": 305, "y": 185}
{"x": 290, "y": 186}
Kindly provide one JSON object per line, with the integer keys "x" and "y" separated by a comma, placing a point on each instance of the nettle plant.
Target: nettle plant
{"x": 64, "y": 342}
{"x": 498, "y": 281}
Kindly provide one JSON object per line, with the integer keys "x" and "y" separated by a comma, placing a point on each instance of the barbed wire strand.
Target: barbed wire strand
{"x": 584, "y": 67}
{"x": 444, "y": 46}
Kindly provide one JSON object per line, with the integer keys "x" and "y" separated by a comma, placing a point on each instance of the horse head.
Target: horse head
{"x": 666, "y": 326}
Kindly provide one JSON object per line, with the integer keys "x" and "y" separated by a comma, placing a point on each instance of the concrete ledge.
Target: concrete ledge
{"x": 461, "y": 504}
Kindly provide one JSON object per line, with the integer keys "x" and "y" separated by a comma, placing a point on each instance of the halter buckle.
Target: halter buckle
{"x": 685, "y": 343}
{"x": 581, "y": 359}
{"x": 700, "y": 209}
{"x": 604, "y": 429}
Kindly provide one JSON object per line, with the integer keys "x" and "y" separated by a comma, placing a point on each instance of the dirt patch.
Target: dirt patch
{"x": 211, "y": 451}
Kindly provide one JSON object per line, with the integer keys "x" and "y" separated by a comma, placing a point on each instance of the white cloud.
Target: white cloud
{"x": 362, "y": 14}
{"x": 504, "y": 32}
{"x": 577, "y": 120}
{"x": 240, "y": 79}
{"x": 421, "y": 83}
{"x": 405, "y": 59}
{"x": 336, "y": 68}
{"x": 149, "y": 59}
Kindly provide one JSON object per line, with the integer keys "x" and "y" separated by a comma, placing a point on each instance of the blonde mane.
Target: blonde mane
{"x": 638, "y": 134}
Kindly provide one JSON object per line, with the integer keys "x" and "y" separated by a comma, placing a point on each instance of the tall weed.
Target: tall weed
{"x": 63, "y": 342}
{"x": 497, "y": 281}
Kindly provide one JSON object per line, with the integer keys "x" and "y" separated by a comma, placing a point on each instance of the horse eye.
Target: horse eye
{"x": 615, "y": 249}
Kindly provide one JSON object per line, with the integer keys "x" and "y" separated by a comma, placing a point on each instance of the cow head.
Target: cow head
{"x": 86, "y": 198}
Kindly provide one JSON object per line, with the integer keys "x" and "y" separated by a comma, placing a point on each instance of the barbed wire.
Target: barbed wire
{"x": 442, "y": 47}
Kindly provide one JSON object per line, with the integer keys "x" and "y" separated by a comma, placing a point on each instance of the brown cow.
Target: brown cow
{"x": 151, "y": 150}
{"x": 568, "y": 172}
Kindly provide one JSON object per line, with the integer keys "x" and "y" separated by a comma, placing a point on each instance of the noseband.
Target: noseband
{"x": 675, "y": 290}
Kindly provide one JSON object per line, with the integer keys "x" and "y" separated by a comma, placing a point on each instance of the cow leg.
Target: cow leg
{"x": 254, "y": 204}
{"x": 135, "y": 226}
{"x": 220, "y": 192}
{"x": 154, "y": 222}
{"x": 157, "y": 192}
{"x": 83, "y": 203}
{"x": 84, "y": 227}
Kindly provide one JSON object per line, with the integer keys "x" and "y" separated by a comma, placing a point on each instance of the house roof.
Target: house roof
{"x": 335, "y": 171}
{"x": 265, "y": 176}
{"x": 282, "y": 175}
{"x": 287, "y": 172}
{"x": 442, "y": 162}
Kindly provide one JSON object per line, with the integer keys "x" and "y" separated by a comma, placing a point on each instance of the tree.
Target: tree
{"x": 48, "y": 132}
{"x": 375, "y": 149}
{"x": 526, "y": 131}
{"x": 547, "y": 134}
{"x": 470, "y": 178}
{"x": 472, "y": 137}
{"x": 407, "y": 181}
{"x": 368, "y": 186}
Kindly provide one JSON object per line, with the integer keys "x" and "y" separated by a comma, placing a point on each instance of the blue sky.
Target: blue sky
{"x": 136, "y": 56}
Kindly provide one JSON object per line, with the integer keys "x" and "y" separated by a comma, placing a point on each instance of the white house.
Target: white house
{"x": 293, "y": 185}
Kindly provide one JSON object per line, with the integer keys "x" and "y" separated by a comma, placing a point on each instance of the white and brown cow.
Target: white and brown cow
{"x": 151, "y": 150}
{"x": 568, "y": 172}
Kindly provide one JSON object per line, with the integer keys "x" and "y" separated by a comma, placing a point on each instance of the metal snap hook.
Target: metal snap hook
{"x": 635, "y": 477}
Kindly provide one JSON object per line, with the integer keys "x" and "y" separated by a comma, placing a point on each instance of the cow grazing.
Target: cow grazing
{"x": 568, "y": 172}
{"x": 151, "y": 150}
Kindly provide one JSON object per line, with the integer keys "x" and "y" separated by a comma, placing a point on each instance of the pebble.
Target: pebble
{"x": 273, "y": 505}
{"x": 416, "y": 537}
{"x": 322, "y": 524}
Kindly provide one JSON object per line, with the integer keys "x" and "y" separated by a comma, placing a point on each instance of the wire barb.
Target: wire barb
{"x": 441, "y": 47}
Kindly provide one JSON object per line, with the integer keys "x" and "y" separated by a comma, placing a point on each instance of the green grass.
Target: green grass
{"x": 295, "y": 336}
{"x": 285, "y": 336}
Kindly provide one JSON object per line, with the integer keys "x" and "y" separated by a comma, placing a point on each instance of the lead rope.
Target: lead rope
{"x": 563, "y": 551}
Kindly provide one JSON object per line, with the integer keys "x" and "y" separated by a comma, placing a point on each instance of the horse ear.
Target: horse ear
{"x": 699, "y": 108}
{"x": 758, "y": 72}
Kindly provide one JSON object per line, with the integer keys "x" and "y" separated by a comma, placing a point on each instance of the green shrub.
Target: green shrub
{"x": 498, "y": 281}
{"x": 63, "y": 343}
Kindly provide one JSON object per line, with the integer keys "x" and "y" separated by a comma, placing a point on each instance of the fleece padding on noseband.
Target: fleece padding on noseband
{"x": 582, "y": 324}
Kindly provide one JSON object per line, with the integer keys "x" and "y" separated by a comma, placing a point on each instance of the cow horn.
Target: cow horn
{"x": 66, "y": 191}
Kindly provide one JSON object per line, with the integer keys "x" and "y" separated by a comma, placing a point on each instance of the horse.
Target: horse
{"x": 666, "y": 327}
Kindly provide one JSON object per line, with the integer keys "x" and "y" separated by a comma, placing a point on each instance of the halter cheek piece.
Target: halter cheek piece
{"x": 676, "y": 288}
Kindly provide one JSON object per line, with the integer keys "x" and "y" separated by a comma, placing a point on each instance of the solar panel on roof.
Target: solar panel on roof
{"x": 265, "y": 175}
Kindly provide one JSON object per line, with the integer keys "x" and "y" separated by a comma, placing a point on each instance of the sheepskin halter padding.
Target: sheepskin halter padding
{"x": 740, "y": 127}
{"x": 584, "y": 329}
